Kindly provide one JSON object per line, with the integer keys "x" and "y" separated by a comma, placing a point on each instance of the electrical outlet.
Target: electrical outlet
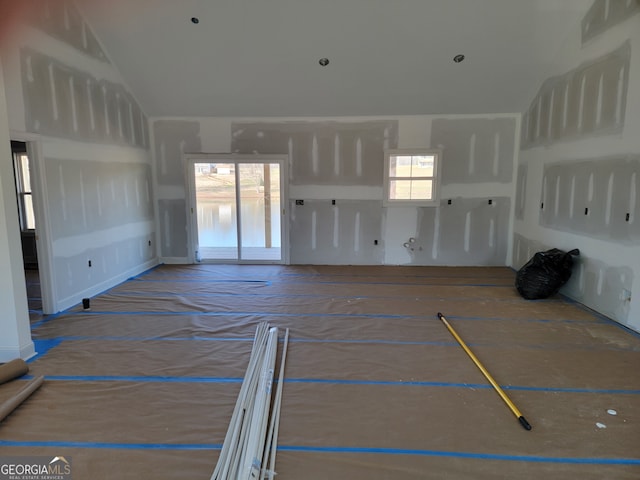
{"x": 89, "y": 263}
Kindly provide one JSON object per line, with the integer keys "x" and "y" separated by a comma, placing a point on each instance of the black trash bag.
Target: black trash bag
{"x": 545, "y": 273}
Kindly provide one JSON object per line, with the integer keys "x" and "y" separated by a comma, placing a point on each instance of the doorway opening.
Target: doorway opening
{"x": 22, "y": 172}
{"x": 236, "y": 209}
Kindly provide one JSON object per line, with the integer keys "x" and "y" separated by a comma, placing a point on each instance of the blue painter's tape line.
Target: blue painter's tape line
{"x": 199, "y": 280}
{"x": 263, "y": 314}
{"x": 462, "y": 385}
{"x": 326, "y": 315}
{"x": 167, "y": 295}
{"x": 156, "y": 339}
{"x": 609, "y": 391}
{"x": 402, "y": 284}
{"x": 328, "y": 381}
{"x": 47, "y": 319}
{"x": 53, "y": 316}
{"x": 42, "y": 347}
{"x": 320, "y": 449}
{"x": 140, "y": 379}
{"x": 247, "y": 339}
{"x": 356, "y": 275}
{"x": 114, "y": 446}
{"x": 563, "y": 347}
{"x": 471, "y": 455}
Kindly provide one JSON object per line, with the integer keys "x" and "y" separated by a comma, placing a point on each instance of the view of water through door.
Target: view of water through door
{"x": 238, "y": 211}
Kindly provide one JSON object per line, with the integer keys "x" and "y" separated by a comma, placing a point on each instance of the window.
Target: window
{"x": 411, "y": 177}
{"x": 23, "y": 185}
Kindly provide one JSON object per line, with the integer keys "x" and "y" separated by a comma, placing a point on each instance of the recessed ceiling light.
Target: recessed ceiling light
{"x": 458, "y": 58}
{"x": 324, "y": 61}
{"x": 195, "y": 20}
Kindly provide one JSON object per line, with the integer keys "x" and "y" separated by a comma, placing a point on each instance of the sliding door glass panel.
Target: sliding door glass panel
{"x": 260, "y": 206}
{"x": 216, "y": 211}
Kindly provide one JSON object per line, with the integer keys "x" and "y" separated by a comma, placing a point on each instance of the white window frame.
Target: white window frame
{"x": 435, "y": 197}
{"x": 23, "y": 192}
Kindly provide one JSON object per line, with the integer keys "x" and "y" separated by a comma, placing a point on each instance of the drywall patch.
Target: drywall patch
{"x": 598, "y": 198}
{"x": 588, "y": 100}
{"x": 173, "y": 228}
{"x": 172, "y": 139}
{"x": 601, "y": 287}
{"x": 605, "y": 14}
{"x": 521, "y": 191}
{"x": 322, "y": 153}
{"x": 36, "y": 87}
{"x": 524, "y": 249}
{"x": 467, "y": 231}
{"x": 347, "y": 233}
{"x": 84, "y": 197}
{"x": 64, "y": 102}
{"x": 63, "y": 21}
{"x": 475, "y": 150}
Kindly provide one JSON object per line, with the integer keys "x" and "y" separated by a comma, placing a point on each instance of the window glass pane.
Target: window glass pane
{"x": 400, "y": 190}
{"x": 26, "y": 177}
{"x": 29, "y": 217}
{"x": 400, "y": 166}
{"x": 421, "y": 189}
{"x": 422, "y": 166}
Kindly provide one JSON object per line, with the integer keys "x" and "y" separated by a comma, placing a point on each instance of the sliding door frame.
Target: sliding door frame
{"x": 189, "y": 161}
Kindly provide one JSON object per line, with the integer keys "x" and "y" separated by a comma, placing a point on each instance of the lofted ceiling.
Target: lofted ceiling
{"x": 386, "y": 57}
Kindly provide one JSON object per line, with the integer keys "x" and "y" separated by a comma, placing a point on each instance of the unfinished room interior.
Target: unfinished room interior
{"x": 281, "y": 239}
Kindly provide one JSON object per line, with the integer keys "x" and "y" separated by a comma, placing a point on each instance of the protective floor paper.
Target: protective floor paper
{"x": 143, "y": 385}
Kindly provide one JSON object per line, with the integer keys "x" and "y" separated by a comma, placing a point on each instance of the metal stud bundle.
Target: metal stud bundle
{"x": 249, "y": 448}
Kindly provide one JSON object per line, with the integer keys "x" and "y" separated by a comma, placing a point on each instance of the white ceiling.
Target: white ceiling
{"x": 387, "y": 57}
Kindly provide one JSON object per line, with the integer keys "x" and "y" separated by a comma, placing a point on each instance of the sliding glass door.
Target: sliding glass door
{"x": 237, "y": 209}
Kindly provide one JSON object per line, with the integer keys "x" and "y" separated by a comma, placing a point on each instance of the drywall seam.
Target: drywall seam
{"x": 173, "y": 228}
{"x": 75, "y": 245}
{"x": 521, "y": 192}
{"x": 338, "y": 192}
{"x": 65, "y": 23}
{"x": 605, "y": 14}
{"x": 110, "y": 203}
{"x": 61, "y": 101}
{"x": 312, "y": 148}
{"x": 597, "y": 198}
{"x": 576, "y": 95}
{"x": 475, "y": 150}
{"x": 323, "y": 233}
{"x": 172, "y": 139}
{"x": 475, "y": 190}
{"x": 467, "y": 231}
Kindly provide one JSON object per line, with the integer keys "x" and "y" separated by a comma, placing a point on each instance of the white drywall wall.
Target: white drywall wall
{"x": 214, "y": 135}
{"x": 85, "y": 227}
{"x": 15, "y": 334}
{"x": 610, "y": 253}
